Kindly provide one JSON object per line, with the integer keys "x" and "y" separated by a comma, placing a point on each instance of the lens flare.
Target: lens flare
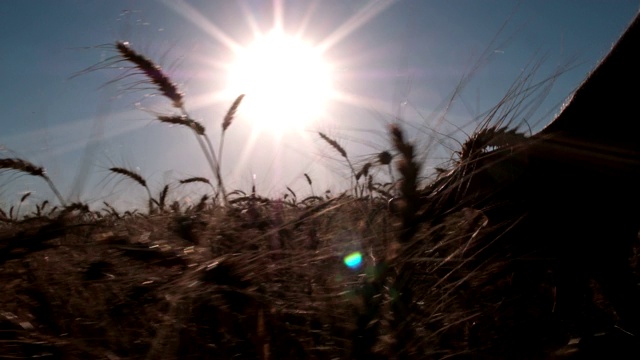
{"x": 353, "y": 260}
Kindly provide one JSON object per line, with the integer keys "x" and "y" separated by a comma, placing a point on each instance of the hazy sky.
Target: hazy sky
{"x": 386, "y": 59}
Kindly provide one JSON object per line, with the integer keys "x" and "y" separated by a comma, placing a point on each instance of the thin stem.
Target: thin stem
{"x": 218, "y": 169}
{"x": 210, "y": 155}
{"x": 55, "y": 190}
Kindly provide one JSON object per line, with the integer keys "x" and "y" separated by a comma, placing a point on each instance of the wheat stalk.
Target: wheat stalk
{"x": 487, "y": 138}
{"x": 195, "y": 179}
{"x": 112, "y": 210}
{"x": 385, "y": 158}
{"x": 22, "y": 199}
{"x": 184, "y": 121}
{"x": 153, "y": 72}
{"x": 42, "y": 206}
{"x": 364, "y": 172}
{"x": 306, "y": 176}
{"x": 199, "y": 131}
{"x": 135, "y": 177}
{"x": 226, "y": 122}
{"x": 162, "y": 197}
{"x": 130, "y": 174}
{"x": 410, "y": 205}
{"x": 198, "y": 179}
{"x": 25, "y": 196}
{"x": 29, "y": 168}
{"x": 334, "y": 144}
{"x": 202, "y": 203}
{"x": 293, "y": 194}
{"x": 228, "y": 118}
{"x": 170, "y": 90}
{"x": 409, "y": 170}
{"x": 22, "y": 166}
{"x": 82, "y": 208}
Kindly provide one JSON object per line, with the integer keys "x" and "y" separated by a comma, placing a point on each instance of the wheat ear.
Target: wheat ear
{"x": 334, "y": 144}
{"x": 162, "y": 197}
{"x": 112, "y": 210}
{"x": 306, "y": 176}
{"x": 197, "y": 179}
{"x": 135, "y": 177}
{"x": 199, "y": 131}
{"x": 226, "y": 122}
{"x": 203, "y": 140}
{"x": 170, "y": 90}
{"x": 409, "y": 170}
{"x": 28, "y": 168}
{"x": 184, "y": 121}
{"x": 153, "y": 72}
{"x": 22, "y": 199}
{"x": 385, "y": 158}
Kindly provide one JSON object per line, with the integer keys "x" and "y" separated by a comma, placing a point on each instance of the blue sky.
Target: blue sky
{"x": 392, "y": 58}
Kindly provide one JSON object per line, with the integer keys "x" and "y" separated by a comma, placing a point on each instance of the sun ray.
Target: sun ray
{"x": 249, "y": 18}
{"x": 246, "y": 153}
{"x": 196, "y": 18}
{"x": 363, "y": 16}
{"x": 278, "y": 14}
{"x": 62, "y": 131}
{"x": 355, "y": 100}
{"x": 306, "y": 19}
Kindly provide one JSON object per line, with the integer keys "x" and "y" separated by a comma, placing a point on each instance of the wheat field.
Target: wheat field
{"x": 516, "y": 250}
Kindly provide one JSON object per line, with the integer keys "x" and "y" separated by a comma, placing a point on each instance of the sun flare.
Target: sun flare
{"x": 286, "y": 81}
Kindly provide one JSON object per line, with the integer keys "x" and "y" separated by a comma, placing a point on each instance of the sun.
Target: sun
{"x": 289, "y": 82}
{"x": 286, "y": 81}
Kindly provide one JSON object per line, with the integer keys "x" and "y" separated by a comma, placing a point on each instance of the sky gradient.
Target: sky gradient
{"x": 389, "y": 59}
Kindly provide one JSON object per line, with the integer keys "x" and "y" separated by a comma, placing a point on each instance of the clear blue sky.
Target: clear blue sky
{"x": 394, "y": 57}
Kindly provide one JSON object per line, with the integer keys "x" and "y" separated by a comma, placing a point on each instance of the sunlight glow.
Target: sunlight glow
{"x": 286, "y": 74}
{"x": 286, "y": 81}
